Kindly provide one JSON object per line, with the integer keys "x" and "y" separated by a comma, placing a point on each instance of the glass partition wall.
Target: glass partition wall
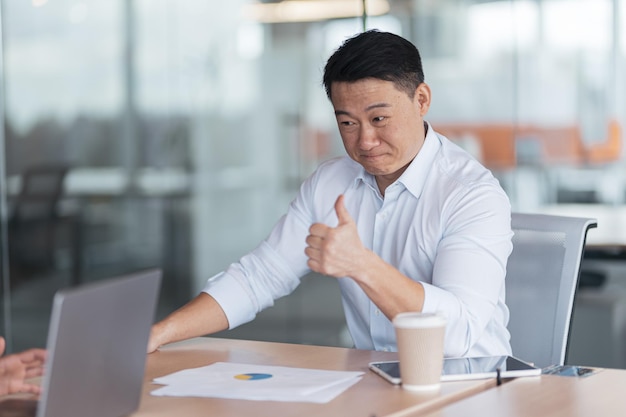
{"x": 173, "y": 134}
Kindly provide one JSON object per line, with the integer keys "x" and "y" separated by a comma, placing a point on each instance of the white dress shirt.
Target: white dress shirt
{"x": 446, "y": 223}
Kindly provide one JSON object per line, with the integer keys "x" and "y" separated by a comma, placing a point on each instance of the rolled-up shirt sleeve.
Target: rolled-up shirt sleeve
{"x": 251, "y": 285}
{"x": 270, "y": 271}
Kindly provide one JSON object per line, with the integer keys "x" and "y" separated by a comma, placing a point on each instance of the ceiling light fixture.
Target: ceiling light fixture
{"x": 312, "y": 10}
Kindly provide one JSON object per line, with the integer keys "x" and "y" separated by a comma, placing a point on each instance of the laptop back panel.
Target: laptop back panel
{"x": 97, "y": 347}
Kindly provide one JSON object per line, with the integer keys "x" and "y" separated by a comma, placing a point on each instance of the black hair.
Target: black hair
{"x": 375, "y": 54}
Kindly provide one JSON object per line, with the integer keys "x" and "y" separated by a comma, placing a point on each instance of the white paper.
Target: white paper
{"x": 269, "y": 383}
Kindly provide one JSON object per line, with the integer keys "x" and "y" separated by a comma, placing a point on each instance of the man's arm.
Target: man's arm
{"x": 201, "y": 316}
{"x": 375, "y": 278}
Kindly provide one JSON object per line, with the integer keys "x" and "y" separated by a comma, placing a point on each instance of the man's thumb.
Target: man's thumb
{"x": 342, "y": 212}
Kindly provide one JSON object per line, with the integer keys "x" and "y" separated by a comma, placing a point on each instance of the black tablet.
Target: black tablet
{"x": 458, "y": 369}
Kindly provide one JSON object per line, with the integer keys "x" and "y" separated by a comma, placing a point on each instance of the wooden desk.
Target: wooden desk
{"x": 372, "y": 396}
{"x": 601, "y": 394}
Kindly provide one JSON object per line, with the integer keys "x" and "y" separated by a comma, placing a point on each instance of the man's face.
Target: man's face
{"x": 382, "y": 128}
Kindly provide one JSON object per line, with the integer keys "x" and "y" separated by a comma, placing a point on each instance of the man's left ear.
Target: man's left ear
{"x": 422, "y": 95}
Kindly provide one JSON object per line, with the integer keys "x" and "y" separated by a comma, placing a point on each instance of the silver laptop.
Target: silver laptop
{"x": 96, "y": 346}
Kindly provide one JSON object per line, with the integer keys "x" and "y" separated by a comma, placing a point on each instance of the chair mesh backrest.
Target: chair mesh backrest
{"x": 542, "y": 276}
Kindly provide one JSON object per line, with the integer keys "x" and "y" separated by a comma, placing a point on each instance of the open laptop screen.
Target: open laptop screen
{"x": 97, "y": 347}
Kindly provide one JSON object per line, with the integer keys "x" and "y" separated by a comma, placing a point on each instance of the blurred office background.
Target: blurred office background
{"x": 173, "y": 134}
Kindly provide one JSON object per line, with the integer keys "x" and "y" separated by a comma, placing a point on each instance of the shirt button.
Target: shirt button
{"x": 385, "y": 349}
{"x": 377, "y": 312}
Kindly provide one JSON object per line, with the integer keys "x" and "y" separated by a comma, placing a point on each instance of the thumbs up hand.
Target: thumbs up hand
{"x": 335, "y": 251}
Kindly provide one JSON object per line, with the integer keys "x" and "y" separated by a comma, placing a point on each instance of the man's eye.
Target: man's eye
{"x": 379, "y": 119}
{"x": 347, "y": 123}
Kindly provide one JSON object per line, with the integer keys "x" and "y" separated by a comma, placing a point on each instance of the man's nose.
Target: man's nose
{"x": 367, "y": 137}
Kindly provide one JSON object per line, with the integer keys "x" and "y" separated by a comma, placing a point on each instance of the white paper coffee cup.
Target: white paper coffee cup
{"x": 420, "y": 338}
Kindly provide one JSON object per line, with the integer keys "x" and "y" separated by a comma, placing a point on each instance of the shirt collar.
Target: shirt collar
{"x": 416, "y": 173}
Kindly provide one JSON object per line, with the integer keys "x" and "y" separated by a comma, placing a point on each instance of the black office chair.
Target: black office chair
{"x": 35, "y": 224}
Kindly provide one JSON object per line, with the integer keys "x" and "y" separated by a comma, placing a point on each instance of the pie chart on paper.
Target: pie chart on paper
{"x": 252, "y": 376}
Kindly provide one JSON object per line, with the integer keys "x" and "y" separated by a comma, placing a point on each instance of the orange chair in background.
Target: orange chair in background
{"x": 611, "y": 149}
{"x": 504, "y": 146}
